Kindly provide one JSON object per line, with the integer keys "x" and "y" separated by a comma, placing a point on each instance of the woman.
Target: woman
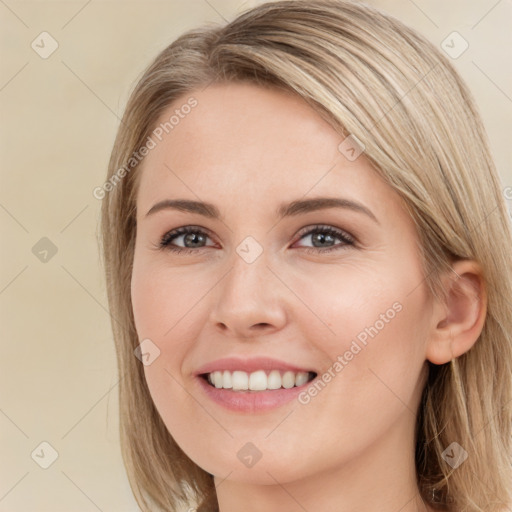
{"x": 307, "y": 254}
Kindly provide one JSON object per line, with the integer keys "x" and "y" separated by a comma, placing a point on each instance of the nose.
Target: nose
{"x": 249, "y": 301}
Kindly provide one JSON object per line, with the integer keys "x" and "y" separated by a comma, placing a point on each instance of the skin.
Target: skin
{"x": 248, "y": 149}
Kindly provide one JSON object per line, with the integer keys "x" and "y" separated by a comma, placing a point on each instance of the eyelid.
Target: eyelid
{"x": 347, "y": 239}
{"x": 335, "y": 231}
{"x": 184, "y": 230}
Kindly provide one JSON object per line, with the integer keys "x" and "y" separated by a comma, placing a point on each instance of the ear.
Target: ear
{"x": 458, "y": 321}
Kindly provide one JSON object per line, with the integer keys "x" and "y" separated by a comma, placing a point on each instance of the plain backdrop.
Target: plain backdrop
{"x": 58, "y": 376}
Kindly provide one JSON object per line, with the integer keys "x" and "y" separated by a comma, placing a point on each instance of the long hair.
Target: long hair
{"x": 368, "y": 75}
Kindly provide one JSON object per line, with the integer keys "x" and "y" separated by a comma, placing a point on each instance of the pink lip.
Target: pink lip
{"x": 249, "y": 365}
{"x": 249, "y": 401}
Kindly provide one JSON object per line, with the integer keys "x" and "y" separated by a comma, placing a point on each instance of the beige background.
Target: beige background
{"x": 58, "y": 377}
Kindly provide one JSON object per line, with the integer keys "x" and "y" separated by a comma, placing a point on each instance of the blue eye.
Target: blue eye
{"x": 190, "y": 234}
{"x": 327, "y": 235}
{"x": 196, "y": 237}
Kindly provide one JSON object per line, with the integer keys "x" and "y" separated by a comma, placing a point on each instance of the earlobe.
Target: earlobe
{"x": 458, "y": 320}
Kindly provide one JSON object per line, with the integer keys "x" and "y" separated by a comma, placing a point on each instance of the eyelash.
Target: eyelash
{"x": 348, "y": 240}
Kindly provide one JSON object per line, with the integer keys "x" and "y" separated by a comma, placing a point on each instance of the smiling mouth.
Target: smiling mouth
{"x": 259, "y": 380}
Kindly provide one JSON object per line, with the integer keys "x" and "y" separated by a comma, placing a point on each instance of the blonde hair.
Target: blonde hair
{"x": 371, "y": 76}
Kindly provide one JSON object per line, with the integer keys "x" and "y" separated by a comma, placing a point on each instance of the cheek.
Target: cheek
{"x": 161, "y": 298}
{"x": 160, "y": 306}
{"x": 366, "y": 316}
{"x": 374, "y": 346}
{"x": 163, "y": 309}
{"x": 373, "y": 306}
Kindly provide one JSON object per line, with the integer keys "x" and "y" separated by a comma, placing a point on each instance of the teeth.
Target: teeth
{"x": 217, "y": 379}
{"x": 227, "y": 383}
{"x": 274, "y": 380}
{"x": 301, "y": 378}
{"x": 240, "y": 381}
{"x": 257, "y": 381}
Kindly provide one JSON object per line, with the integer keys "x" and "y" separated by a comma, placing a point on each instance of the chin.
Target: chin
{"x": 266, "y": 470}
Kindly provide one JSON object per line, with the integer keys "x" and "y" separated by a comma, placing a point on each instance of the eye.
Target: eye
{"x": 192, "y": 235}
{"x": 323, "y": 236}
{"x": 195, "y": 238}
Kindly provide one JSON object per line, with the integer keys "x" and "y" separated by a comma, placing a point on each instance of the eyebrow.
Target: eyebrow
{"x": 298, "y": 207}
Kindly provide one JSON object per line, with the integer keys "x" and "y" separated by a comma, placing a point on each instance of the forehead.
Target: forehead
{"x": 241, "y": 142}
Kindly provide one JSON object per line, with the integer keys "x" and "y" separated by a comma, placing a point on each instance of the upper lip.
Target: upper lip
{"x": 249, "y": 365}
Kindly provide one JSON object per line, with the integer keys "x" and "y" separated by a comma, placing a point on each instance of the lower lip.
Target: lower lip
{"x": 251, "y": 401}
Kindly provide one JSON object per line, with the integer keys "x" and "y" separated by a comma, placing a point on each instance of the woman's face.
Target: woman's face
{"x": 269, "y": 282}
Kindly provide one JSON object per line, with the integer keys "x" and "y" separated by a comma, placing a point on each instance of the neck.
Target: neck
{"x": 382, "y": 478}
